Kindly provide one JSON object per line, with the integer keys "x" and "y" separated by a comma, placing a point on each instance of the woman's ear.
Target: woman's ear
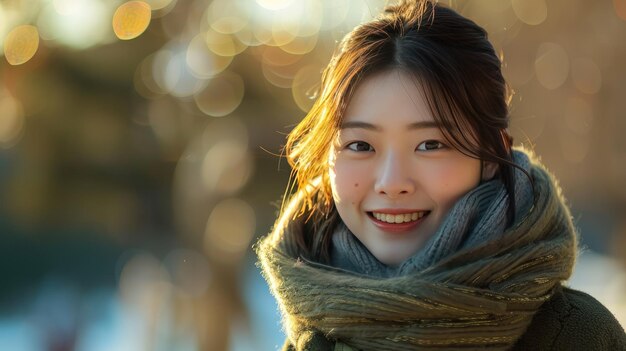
{"x": 489, "y": 170}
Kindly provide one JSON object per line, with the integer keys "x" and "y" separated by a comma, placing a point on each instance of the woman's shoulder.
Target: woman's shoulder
{"x": 573, "y": 320}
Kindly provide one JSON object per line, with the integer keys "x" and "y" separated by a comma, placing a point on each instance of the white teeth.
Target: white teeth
{"x": 400, "y": 218}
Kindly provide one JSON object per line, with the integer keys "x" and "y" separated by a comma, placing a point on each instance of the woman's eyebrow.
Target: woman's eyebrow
{"x": 373, "y": 127}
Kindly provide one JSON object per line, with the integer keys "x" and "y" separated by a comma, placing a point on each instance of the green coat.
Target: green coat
{"x": 570, "y": 320}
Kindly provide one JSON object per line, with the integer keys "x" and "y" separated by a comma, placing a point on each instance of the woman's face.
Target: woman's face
{"x": 393, "y": 176}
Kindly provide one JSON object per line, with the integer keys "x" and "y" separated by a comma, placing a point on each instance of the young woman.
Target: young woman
{"x": 415, "y": 224}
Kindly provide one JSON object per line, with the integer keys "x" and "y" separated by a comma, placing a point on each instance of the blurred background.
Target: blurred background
{"x": 140, "y": 143}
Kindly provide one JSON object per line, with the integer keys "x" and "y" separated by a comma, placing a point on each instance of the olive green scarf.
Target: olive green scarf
{"x": 474, "y": 285}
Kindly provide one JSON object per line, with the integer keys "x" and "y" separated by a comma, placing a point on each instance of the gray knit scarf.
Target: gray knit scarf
{"x": 474, "y": 285}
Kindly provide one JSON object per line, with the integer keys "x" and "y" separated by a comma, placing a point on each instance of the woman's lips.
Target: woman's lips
{"x": 397, "y": 227}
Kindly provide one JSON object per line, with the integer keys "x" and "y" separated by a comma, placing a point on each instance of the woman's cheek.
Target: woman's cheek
{"x": 348, "y": 180}
{"x": 449, "y": 182}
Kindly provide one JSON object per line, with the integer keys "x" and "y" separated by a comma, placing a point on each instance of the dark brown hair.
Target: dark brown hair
{"x": 454, "y": 63}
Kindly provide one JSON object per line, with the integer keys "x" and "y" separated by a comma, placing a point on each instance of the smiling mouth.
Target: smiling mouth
{"x": 398, "y": 218}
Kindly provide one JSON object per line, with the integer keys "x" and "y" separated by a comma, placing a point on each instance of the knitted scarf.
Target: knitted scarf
{"x": 475, "y": 284}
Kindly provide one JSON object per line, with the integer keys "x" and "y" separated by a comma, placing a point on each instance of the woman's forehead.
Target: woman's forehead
{"x": 388, "y": 97}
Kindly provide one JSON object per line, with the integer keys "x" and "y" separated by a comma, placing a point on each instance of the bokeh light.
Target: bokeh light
{"x": 223, "y": 44}
{"x": 224, "y": 17}
{"x": 301, "y": 18}
{"x": 281, "y": 36}
{"x": 76, "y": 23}
{"x": 551, "y": 65}
{"x": 620, "y": 8}
{"x": 518, "y": 65}
{"x": 202, "y": 62}
{"x": 274, "y": 4}
{"x": 229, "y": 230}
{"x": 261, "y": 35}
{"x": 108, "y": 149}
{"x": 531, "y": 12}
{"x": 586, "y": 75}
{"x": 334, "y": 13}
{"x": 144, "y": 80}
{"x": 21, "y": 44}
{"x": 181, "y": 79}
{"x": 189, "y": 270}
{"x": 66, "y": 7}
{"x": 143, "y": 282}
{"x": 159, "y": 4}
{"x": 227, "y": 166}
{"x": 578, "y": 115}
{"x": 574, "y": 147}
{"x": 527, "y": 128}
{"x": 301, "y": 45}
{"x": 279, "y": 76}
{"x": 162, "y": 116}
{"x": 222, "y": 95}
{"x": 11, "y": 119}
{"x": 276, "y": 56}
{"x": 305, "y": 86}
{"x": 131, "y": 19}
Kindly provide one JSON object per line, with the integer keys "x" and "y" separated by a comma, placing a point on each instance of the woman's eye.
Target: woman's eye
{"x": 429, "y": 145}
{"x": 360, "y": 146}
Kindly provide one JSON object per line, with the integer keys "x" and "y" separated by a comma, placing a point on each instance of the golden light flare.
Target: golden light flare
{"x": 531, "y": 12}
{"x": 131, "y": 19}
{"x": 21, "y": 44}
{"x": 229, "y": 230}
{"x": 305, "y": 85}
{"x": 221, "y": 96}
{"x": 551, "y": 65}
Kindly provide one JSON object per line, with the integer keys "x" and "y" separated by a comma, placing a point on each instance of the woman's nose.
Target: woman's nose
{"x": 394, "y": 177}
